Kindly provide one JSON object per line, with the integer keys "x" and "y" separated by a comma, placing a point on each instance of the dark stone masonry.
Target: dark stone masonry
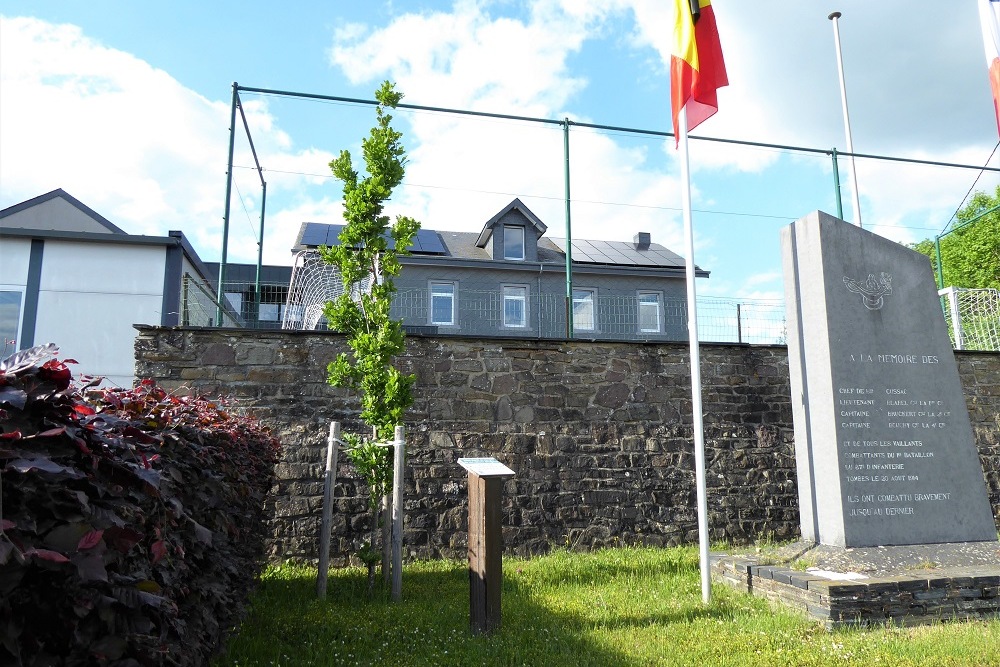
{"x": 599, "y": 435}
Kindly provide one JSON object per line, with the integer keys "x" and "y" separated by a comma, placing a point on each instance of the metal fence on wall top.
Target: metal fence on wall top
{"x": 973, "y": 317}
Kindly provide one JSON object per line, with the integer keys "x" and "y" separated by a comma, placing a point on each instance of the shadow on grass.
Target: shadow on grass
{"x": 288, "y": 625}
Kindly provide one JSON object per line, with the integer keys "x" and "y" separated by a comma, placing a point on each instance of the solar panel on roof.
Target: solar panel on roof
{"x": 667, "y": 258}
{"x": 583, "y": 251}
{"x": 428, "y": 242}
{"x": 619, "y": 253}
{"x": 333, "y": 234}
{"x": 314, "y": 234}
{"x": 604, "y": 254}
{"x": 633, "y": 256}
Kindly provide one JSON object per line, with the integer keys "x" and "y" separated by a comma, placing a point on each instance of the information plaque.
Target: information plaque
{"x": 486, "y": 480}
{"x": 486, "y": 467}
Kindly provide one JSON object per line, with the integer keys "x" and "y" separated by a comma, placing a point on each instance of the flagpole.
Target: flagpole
{"x": 856, "y": 200}
{"x": 696, "y": 408}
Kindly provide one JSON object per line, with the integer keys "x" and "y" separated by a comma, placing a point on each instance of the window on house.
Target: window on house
{"x": 270, "y": 312}
{"x": 649, "y": 312}
{"x": 515, "y": 306}
{"x": 513, "y": 242}
{"x": 583, "y": 309}
{"x": 235, "y": 300}
{"x": 442, "y": 303}
{"x": 10, "y": 321}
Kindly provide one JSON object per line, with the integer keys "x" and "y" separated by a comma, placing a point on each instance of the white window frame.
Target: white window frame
{"x": 586, "y": 294}
{"x": 507, "y": 229}
{"x": 452, "y": 291}
{"x": 514, "y": 292}
{"x": 657, "y": 304}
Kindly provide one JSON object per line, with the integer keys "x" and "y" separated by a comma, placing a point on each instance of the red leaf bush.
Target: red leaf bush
{"x": 132, "y": 522}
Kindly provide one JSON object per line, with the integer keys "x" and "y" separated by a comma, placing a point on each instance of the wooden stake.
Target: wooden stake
{"x": 399, "y": 451}
{"x": 329, "y": 479}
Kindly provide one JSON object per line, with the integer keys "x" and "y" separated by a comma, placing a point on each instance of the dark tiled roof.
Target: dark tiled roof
{"x": 464, "y": 245}
{"x": 469, "y": 245}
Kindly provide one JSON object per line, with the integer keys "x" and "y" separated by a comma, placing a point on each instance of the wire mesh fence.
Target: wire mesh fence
{"x": 243, "y": 308}
{"x": 973, "y": 317}
{"x": 614, "y": 317}
{"x": 732, "y": 320}
{"x": 625, "y": 306}
{"x": 201, "y": 308}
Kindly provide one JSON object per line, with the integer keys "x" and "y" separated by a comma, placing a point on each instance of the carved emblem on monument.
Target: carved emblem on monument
{"x": 871, "y": 290}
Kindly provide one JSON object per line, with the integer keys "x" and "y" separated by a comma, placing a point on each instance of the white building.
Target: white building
{"x": 69, "y": 276}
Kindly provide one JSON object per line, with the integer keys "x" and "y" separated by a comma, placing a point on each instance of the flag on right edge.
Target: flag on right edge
{"x": 697, "y": 69}
{"x": 989, "y": 14}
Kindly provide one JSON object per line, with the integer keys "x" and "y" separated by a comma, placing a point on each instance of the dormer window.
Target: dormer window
{"x": 513, "y": 242}
{"x": 512, "y": 234}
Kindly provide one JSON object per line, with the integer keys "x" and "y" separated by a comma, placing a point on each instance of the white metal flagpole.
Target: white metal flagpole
{"x": 696, "y": 409}
{"x": 855, "y": 199}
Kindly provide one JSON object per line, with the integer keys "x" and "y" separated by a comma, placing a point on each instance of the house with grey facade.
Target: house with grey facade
{"x": 510, "y": 279}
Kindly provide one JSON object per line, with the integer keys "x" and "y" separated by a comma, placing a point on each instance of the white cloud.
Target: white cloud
{"x": 90, "y": 119}
{"x": 783, "y": 90}
{"x": 133, "y": 143}
{"x": 463, "y": 170}
{"x": 149, "y": 153}
{"x": 909, "y": 202}
{"x": 474, "y": 61}
{"x": 284, "y": 226}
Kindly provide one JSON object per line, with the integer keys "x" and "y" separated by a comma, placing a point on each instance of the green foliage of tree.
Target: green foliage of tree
{"x": 365, "y": 258}
{"x": 970, "y": 256}
{"x": 364, "y": 253}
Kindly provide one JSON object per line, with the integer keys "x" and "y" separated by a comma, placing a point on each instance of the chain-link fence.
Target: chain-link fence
{"x": 243, "y": 308}
{"x": 200, "y": 307}
{"x": 639, "y": 317}
{"x": 733, "y": 320}
{"x": 973, "y": 317}
{"x": 518, "y": 303}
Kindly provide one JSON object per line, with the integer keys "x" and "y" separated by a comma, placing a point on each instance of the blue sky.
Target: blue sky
{"x": 126, "y": 106}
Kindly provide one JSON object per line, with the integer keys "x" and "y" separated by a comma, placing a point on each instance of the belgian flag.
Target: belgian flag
{"x": 697, "y": 68}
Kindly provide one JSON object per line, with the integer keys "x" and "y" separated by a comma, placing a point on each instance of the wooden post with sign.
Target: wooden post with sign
{"x": 486, "y": 478}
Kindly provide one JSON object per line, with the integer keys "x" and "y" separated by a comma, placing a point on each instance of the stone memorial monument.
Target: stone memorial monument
{"x": 884, "y": 450}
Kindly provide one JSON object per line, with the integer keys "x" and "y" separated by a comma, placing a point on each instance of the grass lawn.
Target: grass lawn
{"x": 624, "y": 606}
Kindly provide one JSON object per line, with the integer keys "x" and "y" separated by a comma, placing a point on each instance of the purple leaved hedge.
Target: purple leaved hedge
{"x": 132, "y": 522}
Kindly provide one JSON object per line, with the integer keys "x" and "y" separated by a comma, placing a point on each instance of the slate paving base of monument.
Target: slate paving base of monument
{"x": 902, "y": 585}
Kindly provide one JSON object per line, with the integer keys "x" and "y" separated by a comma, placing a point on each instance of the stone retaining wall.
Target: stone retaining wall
{"x": 599, "y": 435}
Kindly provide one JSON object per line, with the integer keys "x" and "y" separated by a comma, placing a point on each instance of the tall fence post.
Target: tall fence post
{"x": 836, "y": 184}
{"x": 956, "y": 318}
{"x": 569, "y": 235}
{"x": 185, "y": 319}
{"x": 329, "y": 480}
{"x": 399, "y": 454}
